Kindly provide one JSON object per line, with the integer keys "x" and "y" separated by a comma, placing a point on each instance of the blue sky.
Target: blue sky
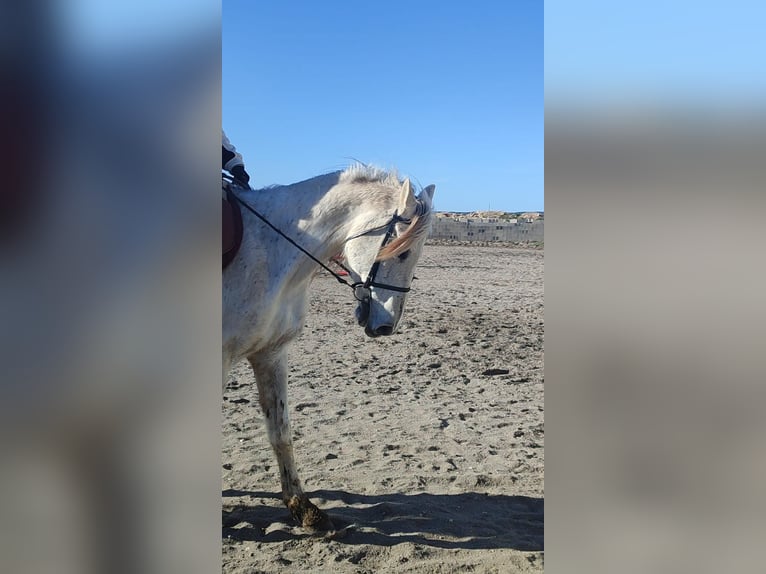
{"x": 450, "y": 93}
{"x": 686, "y": 52}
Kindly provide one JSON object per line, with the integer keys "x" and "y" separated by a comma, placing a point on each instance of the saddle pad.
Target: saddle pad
{"x": 231, "y": 228}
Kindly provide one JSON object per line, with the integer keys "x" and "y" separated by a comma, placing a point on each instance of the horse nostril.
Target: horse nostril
{"x": 384, "y": 330}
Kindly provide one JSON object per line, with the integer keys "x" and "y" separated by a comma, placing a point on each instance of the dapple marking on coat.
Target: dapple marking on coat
{"x": 265, "y": 288}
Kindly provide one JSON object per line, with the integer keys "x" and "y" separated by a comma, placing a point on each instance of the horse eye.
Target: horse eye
{"x": 403, "y": 256}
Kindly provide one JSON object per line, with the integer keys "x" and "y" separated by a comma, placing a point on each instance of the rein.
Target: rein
{"x": 361, "y": 289}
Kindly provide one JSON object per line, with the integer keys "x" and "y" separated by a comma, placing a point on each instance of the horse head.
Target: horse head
{"x": 382, "y": 261}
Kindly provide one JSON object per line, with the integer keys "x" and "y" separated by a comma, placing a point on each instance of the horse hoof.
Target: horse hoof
{"x": 308, "y": 515}
{"x": 318, "y": 521}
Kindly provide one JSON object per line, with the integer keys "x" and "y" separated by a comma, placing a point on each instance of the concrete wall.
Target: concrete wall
{"x": 486, "y": 230}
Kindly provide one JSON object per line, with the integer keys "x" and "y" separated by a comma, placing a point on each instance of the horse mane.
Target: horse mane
{"x": 361, "y": 173}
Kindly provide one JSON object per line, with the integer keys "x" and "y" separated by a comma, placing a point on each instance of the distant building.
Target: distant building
{"x": 529, "y": 217}
{"x": 475, "y": 227}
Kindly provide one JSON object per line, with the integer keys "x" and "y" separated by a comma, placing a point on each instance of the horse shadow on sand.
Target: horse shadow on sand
{"x": 468, "y": 520}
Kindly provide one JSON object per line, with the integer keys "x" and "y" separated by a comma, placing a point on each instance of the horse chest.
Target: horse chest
{"x": 273, "y": 325}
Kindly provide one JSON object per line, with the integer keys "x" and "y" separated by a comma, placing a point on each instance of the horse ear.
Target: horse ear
{"x": 407, "y": 201}
{"x": 429, "y": 192}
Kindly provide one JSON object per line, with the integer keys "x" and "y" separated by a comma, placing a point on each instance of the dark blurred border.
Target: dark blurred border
{"x": 110, "y": 306}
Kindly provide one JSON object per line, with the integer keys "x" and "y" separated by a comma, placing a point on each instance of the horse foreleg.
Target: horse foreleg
{"x": 271, "y": 378}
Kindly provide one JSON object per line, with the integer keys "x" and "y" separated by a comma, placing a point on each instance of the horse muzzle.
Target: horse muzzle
{"x": 382, "y": 330}
{"x": 363, "y": 318}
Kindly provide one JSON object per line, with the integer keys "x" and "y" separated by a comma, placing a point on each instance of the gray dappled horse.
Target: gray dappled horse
{"x": 379, "y": 225}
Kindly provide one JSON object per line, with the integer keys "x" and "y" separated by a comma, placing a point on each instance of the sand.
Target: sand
{"x": 425, "y": 448}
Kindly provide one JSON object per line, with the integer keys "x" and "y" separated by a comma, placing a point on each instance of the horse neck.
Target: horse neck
{"x": 324, "y": 213}
{"x": 346, "y": 210}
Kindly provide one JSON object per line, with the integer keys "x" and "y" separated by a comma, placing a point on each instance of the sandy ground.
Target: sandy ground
{"x": 425, "y": 448}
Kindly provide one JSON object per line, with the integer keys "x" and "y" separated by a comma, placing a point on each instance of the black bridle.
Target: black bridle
{"x": 361, "y": 289}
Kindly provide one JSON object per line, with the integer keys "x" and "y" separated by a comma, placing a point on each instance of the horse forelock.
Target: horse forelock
{"x": 416, "y": 231}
